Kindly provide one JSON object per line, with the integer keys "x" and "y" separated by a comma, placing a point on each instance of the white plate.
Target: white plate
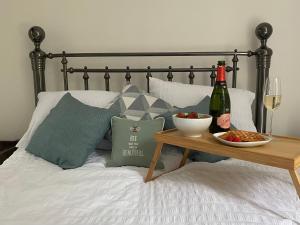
{"x": 242, "y": 144}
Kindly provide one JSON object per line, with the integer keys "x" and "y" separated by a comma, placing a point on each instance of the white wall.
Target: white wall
{"x": 140, "y": 25}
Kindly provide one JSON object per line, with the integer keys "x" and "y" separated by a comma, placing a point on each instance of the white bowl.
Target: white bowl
{"x": 192, "y": 127}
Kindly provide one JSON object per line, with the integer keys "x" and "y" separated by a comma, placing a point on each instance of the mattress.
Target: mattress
{"x": 35, "y": 192}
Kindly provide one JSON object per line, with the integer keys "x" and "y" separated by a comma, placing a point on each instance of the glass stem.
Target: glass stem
{"x": 271, "y": 123}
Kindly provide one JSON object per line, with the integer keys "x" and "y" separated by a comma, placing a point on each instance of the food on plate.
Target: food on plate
{"x": 242, "y": 136}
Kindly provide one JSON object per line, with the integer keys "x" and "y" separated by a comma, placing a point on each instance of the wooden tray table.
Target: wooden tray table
{"x": 281, "y": 152}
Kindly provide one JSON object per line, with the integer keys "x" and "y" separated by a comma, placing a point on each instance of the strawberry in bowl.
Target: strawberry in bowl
{"x": 192, "y": 124}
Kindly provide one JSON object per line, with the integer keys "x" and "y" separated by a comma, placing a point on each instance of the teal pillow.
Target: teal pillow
{"x": 201, "y": 107}
{"x": 69, "y": 133}
{"x": 133, "y": 142}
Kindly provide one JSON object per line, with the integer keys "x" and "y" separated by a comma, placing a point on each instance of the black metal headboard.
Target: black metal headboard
{"x": 263, "y": 59}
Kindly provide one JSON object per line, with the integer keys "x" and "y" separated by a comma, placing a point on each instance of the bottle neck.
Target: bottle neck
{"x": 221, "y": 73}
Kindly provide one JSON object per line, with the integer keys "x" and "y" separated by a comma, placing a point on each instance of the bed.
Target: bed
{"x": 34, "y": 191}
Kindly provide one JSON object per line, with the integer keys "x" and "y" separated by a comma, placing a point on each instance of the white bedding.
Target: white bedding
{"x": 33, "y": 191}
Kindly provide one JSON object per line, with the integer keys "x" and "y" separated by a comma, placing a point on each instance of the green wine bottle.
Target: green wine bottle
{"x": 219, "y": 107}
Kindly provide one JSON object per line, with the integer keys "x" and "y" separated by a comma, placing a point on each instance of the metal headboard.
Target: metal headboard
{"x": 263, "y": 59}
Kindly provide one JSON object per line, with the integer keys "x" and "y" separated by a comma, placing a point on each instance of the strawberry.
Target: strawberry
{"x": 193, "y": 115}
{"x": 181, "y": 115}
{"x": 229, "y": 138}
{"x": 190, "y": 116}
{"x": 236, "y": 139}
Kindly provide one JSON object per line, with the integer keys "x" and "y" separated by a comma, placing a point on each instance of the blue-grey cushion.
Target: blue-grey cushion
{"x": 69, "y": 133}
{"x": 201, "y": 107}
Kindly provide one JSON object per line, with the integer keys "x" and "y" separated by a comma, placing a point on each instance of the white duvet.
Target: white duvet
{"x": 33, "y": 191}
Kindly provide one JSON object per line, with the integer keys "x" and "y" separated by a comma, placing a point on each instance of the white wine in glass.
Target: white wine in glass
{"x": 272, "y": 97}
{"x": 272, "y": 102}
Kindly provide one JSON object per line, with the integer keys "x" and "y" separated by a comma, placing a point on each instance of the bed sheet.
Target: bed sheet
{"x": 33, "y": 191}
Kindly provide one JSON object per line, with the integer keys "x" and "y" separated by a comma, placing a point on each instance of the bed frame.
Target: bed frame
{"x": 263, "y": 60}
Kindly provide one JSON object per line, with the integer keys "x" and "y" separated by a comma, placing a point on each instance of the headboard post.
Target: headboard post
{"x": 263, "y": 61}
{"x": 38, "y": 60}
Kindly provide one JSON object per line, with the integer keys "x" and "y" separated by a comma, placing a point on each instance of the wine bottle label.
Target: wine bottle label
{"x": 223, "y": 121}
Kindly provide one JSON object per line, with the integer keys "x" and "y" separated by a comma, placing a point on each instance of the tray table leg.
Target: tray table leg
{"x": 153, "y": 162}
{"x": 184, "y": 157}
{"x": 296, "y": 180}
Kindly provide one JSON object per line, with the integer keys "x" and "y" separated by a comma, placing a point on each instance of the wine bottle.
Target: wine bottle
{"x": 219, "y": 107}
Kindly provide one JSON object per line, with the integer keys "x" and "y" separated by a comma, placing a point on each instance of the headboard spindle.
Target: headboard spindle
{"x": 148, "y": 75}
{"x": 170, "y": 74}
{"x": 86, "y": 79}
{"x": 64, "y": 62}
{"x": 128, "y": 75}
{"x": 106, "y": 78}
{"x": 191, "y": 75}
{"x": 213, "y": 76}
{"x": 235, "y": 60}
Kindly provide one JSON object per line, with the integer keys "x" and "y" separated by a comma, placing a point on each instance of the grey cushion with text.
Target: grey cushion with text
{"x": 133, "y": 143}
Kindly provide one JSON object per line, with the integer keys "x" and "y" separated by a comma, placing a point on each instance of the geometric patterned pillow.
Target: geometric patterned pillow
{"x": 135, "y": 105}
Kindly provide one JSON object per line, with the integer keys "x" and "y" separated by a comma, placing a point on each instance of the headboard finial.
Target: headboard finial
{"x": 263, "y": 31}
{"x": 37, "y": 35}
{"x": 38, "y": 60}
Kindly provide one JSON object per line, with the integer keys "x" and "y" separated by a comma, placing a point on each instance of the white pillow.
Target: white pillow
{"x": 48, "y": 100}
{"x": 182, "y": 95}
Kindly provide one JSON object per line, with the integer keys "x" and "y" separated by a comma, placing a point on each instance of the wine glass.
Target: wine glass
{"x": 272, "y": 97}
